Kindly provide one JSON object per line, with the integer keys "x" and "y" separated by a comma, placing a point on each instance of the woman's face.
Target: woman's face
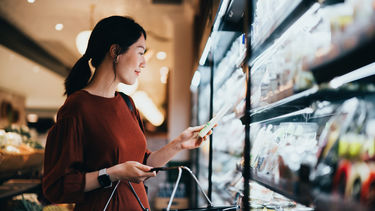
{"x": 131, "y": 62}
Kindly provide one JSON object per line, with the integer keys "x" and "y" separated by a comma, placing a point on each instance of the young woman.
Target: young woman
{"x": 97, "y": 139}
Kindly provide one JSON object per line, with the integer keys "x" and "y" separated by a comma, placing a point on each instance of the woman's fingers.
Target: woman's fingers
{"x": 199, "y": 142}
{"x": 143, "y": 167}
{"x": 145, "y": 170}
{"x": 200, "y": 127}
{"x": 197, "y": 128}
{"x": 209, "y": 133}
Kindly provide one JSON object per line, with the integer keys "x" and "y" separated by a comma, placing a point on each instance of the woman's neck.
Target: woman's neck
{"x": 103, "y": 82}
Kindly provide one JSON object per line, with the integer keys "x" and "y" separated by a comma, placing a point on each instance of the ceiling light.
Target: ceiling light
{"x": 127, "y": 89}
{"x": 163, "y": 79}
{"x": 148, "y": 108}
{"x": 164, "y": 74}
{"x": 161, "y": 55}
{"x": 164, "y": 70}
{"x": 31, "y": 1}
{"x": 32, "y": 118}
{"x": 59, "y": 26}
{"x": 82, "y": 40}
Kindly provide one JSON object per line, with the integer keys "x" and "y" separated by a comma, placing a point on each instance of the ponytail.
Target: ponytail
{"x": 122, "y": 31}
{"x": 79, "y": 76}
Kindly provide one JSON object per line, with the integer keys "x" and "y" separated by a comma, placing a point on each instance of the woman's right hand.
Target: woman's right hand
{"x": 130, "y": 171}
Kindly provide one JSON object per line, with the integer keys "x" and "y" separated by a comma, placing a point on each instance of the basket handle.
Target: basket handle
{"x": 178, "y": 181}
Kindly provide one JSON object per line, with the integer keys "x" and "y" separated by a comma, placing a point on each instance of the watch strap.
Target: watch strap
{"x": 102, "y": 171}
{"x": 103, "y": 175}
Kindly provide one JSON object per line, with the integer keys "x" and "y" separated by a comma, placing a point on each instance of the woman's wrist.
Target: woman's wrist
{"x": 112, "y": 172}
{"x": 177, "y": 144}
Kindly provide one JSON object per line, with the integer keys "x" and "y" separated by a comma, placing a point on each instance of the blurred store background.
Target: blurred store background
{"x": 294, "y": 81}
{"x": 40, "y": 40}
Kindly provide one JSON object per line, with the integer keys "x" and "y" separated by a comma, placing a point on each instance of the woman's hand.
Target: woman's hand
{"x": 130, "y": 171}
{"x": 189, "y": 138}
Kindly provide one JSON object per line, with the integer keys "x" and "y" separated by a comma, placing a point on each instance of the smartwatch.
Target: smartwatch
{"x": 103, "y": 179}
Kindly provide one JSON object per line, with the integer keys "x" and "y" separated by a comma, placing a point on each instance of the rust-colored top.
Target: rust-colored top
{"x": 92, "y": 133}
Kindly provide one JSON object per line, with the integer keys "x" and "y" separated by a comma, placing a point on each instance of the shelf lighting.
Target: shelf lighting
{"x": 360, "y": 73}
{"x": 307, "y": 110}
{"x": 31, "y": 1}
{"x": 148, "y": 108}
{"x": 223, "y": 8}
{"x": 195, "y": 81}
{"x": 205, "y": 52}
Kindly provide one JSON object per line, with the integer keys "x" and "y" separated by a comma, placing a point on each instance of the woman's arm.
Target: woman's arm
{"x": 137, "y": 172}
{"x": 130, "y": 171}
{"x": 188, "y": 139}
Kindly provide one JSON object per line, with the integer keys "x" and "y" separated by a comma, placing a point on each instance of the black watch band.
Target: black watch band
{"x": 103, "y": 179}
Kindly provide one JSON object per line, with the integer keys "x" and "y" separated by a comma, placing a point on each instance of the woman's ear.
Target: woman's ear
{"x": 114, "y": 51}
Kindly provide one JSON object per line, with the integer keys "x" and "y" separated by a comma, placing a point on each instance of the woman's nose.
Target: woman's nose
{"x": 143, "y": 63}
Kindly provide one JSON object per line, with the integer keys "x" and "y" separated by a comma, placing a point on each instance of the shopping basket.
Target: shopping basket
{"x": 210, "y": 204}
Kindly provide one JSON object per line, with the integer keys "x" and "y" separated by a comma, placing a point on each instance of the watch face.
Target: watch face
{"x": 104, "y": 180}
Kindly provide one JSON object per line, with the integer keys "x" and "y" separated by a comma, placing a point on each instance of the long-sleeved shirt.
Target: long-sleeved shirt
{"x": 92, "y": 133}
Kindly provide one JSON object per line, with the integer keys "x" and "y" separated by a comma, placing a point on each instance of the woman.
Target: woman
{"x": 97, "y": 140}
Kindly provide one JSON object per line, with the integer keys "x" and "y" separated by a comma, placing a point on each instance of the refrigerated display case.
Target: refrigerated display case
{"x": 310, "y": 68}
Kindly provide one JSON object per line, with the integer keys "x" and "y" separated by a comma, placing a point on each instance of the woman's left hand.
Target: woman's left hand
{"x": 189, "y": 138}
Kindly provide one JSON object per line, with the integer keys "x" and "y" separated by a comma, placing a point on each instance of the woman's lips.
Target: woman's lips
{"x": 137, "y": 72}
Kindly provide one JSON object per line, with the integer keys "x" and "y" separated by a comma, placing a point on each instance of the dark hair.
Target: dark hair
{"x": 122, "y": 31}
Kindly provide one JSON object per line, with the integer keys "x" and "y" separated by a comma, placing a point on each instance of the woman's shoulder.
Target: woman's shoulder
{"x": 74, "y": 103}
{"x": 76, "y": 99}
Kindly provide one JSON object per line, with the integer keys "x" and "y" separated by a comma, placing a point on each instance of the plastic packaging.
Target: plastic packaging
{"x": 210, "y": 124}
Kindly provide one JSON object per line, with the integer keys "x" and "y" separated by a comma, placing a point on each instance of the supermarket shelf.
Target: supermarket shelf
{"x": 325, "y": 201}
{"x": 287, "y": 105}
{"x": 227, "y": 25}
{"x": 286, "y": 100}
{"x": 222, "y": 43}
{"x": 302, "y": 100}
{"x": 292, "y": 190}
{"x": 303, "y": 194}
{"x": 233, "y": 17}
{"x": 351, "y": 51}
{"x": 230, "y": 153}
{"x": 295, "y": 14}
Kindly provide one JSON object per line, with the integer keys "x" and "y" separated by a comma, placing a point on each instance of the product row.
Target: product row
{"x": 318, "y": 36}
{"x": 334, "y": 148}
